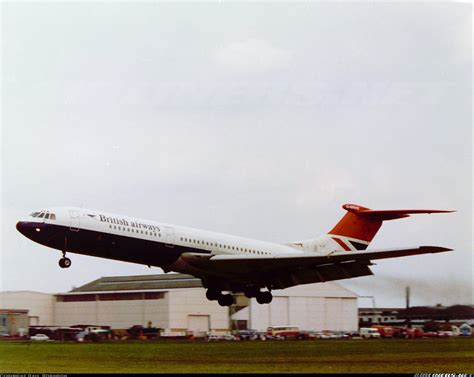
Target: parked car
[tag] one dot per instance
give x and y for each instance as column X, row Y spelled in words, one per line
column 266, row 336
column 340, row 335
column 444, row 334
column 408, row 332
column 215, row 337
column 247, row 334
column 319, row 335
column 354, row 335
column 39, row 337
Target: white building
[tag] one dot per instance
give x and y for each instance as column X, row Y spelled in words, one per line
column 177, row 303
column 320, row 306
column 40, row 306
column 173, row 302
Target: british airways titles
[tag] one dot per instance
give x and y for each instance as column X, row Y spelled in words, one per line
column 131, row 223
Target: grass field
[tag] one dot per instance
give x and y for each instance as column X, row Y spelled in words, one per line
column 453, row 355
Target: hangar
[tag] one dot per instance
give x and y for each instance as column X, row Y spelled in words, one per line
column 174, row 302
column 320, row 306
column 177, row 303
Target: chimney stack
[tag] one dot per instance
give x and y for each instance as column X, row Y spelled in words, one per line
column 407, row 294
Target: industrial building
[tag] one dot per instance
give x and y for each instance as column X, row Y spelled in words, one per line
column 13, row 321
column 39, row 306
column 177, row 304
column 320, row 306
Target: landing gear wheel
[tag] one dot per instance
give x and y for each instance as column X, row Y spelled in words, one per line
column 213, row 294
column 225, row 300
column 65, row 263
column 264, row 297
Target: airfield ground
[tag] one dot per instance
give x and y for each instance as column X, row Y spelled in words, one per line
column 452, row 355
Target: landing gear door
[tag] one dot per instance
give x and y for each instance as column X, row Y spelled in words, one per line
column 75, row 221
column 169, row 236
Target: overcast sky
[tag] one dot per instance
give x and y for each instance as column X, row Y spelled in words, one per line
column 255, row 119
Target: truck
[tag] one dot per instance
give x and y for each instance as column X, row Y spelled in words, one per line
column 369, row 332
column 384, row 331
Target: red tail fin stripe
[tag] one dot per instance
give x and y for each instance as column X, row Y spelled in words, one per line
column 341, row 243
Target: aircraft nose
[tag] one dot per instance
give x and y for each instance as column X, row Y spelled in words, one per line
column 20, row 226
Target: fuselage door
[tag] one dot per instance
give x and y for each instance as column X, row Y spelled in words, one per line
column 75, row 221
column 169, row 236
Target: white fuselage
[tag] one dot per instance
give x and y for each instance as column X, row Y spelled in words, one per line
column 84, row 229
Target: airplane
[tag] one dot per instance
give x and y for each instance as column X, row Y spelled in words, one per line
column 224, row 263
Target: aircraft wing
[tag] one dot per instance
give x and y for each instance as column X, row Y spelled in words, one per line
column 286, row 270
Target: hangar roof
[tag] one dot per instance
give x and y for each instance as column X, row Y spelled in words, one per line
column 140, row 282
column 164, row 282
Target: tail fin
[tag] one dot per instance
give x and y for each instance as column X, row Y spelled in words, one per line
column 360, row 224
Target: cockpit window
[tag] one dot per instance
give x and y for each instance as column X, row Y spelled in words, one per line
column 44, row 214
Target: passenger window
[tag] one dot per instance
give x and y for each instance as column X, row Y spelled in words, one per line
column 52, row 216
column 46, row 216
column 34, row 214
column 41, row 215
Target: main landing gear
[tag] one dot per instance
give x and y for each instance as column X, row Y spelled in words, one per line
column 64, row 262
column 223, row 300
column 213, row 294
column 262, row 297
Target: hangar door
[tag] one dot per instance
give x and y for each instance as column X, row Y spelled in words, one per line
column 198, row 324
column 279, row 311
column 332, row 314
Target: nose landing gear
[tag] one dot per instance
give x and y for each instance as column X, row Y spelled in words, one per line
column 64, row 262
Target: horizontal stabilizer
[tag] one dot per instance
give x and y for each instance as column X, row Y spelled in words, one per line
column 390, row 214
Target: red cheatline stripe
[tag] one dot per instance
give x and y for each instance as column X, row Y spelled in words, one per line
column 340, row 242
